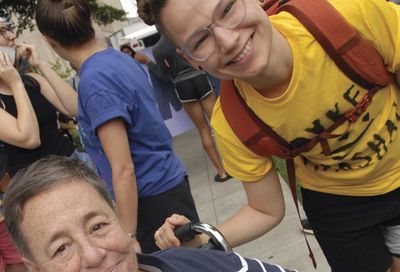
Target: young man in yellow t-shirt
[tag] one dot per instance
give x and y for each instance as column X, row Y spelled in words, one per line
column 289, row 81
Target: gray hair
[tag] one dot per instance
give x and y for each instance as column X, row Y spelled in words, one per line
column 40, row 176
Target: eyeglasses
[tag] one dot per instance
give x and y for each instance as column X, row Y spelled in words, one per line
column 6, row 31
column 201, row 44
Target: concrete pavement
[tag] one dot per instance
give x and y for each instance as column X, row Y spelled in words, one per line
column 216, row 202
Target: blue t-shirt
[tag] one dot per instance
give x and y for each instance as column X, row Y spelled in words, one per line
column 202, row 260
column 112, row 85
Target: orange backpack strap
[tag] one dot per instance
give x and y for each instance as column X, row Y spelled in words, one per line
column 354, row 55
column 251, row 131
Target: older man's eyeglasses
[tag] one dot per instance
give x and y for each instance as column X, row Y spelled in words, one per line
column 228, row 14
column 6, row 31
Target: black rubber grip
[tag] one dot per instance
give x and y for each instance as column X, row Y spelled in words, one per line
column 185, row 232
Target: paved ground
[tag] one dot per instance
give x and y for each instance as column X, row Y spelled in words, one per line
column 215, row 202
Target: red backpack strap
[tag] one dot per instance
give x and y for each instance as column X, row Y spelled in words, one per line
column 271, row 5
column 353, row 54
column 251, row 131
column 291, row 171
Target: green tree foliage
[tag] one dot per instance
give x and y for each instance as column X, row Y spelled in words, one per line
column 24, row 11
column 63, row 72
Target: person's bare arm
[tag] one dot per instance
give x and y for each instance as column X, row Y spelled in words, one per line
column 114, row 139
column 154, row 67
column 22, row 131
column 265, row 210
column 68, row 106
column 53, row 87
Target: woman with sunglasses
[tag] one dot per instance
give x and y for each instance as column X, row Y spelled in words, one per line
column 291, row 84
column 23, row 129
column 44, row 104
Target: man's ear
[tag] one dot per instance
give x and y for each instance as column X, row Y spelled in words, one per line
column 189, row 60
column 32, row 266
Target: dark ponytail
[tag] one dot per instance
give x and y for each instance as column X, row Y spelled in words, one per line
column 68, row 22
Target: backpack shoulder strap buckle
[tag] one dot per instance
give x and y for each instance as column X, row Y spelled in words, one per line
column 361, row 106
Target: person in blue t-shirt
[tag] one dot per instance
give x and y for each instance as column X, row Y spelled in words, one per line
column 121, row 128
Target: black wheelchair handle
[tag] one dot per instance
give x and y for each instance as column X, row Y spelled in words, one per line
column 188, row 231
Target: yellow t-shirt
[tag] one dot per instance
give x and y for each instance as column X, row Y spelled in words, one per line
column 366, row 155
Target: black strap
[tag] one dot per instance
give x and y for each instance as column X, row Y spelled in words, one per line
column 290, row 167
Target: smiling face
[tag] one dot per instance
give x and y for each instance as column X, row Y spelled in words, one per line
column 242, row 52
column 70, row 228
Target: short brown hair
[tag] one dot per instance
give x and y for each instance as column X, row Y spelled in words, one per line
column 40, row 176
column 149, row 10
column 68, row 22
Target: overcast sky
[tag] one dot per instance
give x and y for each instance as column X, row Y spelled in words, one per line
column 130, row 7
